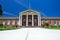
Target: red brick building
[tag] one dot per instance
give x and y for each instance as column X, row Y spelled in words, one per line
column 29, row 18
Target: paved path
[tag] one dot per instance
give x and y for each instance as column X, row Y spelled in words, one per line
column 30, row 34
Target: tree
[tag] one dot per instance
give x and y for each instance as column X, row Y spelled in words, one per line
column 0, row 10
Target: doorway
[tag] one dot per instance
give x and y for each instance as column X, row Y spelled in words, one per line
column 23, row 20
column 29, row 20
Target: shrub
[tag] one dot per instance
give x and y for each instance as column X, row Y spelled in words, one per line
column 42, row 25
column 54, row 26
column 15, row 26
column 59, row 25
column 46, row 24
column 1, row 25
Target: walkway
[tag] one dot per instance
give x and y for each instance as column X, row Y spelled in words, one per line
column 30, row 34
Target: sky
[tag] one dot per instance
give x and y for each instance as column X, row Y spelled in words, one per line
column 47, row 8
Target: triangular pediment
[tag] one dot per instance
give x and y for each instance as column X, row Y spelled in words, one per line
column 29, row 12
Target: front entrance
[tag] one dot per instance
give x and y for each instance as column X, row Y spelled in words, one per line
column 30, row 18
column 23, row 20
column 35, row 20
column 30, row 22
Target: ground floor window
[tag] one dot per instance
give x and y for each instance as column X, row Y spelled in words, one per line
column 8, row 22
column 59, row 22
column 3, row 22
column 13, row 22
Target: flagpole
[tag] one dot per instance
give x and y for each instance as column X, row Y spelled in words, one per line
column 29, row 5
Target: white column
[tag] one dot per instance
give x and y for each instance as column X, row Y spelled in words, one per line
column 39, row 20
column 32, row 20
column 21, row 20
column 26, row 20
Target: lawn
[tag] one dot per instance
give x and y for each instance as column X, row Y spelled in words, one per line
column 13, row 28
column 5, row 28
column 54, row 27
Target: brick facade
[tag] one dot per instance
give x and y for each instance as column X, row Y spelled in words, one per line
column 16, row 22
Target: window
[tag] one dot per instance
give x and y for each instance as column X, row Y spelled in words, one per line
column 17, row 22
column 54, row 21
column 50, row 22
column 8, row 23
column 42, row 22
column 59, row 22
column 13, row 22
column 3, row 22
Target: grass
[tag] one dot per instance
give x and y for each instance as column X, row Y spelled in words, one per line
column 10, row 28
column 54, row 27
column 13, row 28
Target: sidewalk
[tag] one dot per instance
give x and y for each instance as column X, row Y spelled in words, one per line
column 30, row 34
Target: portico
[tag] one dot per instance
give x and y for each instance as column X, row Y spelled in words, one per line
column 29, row 18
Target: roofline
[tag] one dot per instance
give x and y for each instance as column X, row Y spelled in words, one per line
column 50, row 17
column 18, row 17
column 9, row 17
